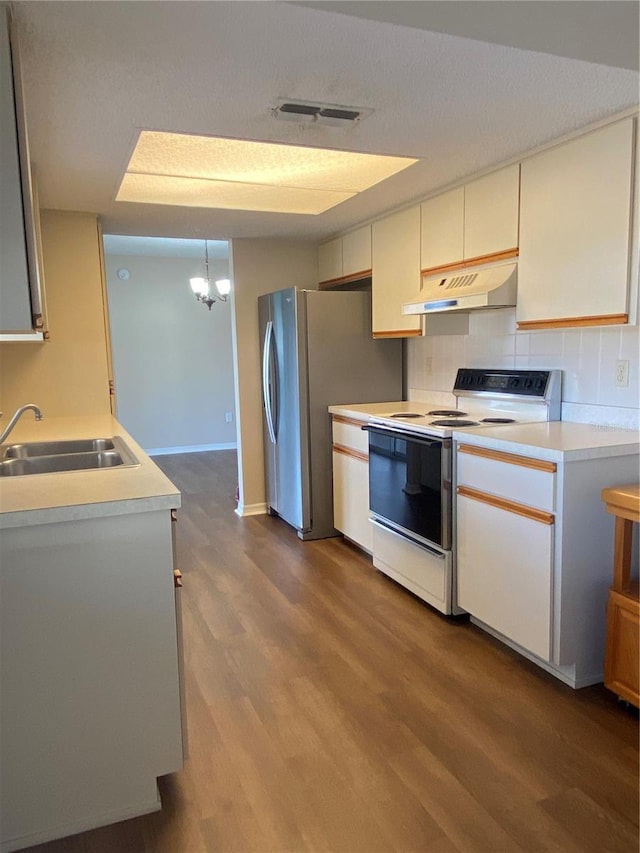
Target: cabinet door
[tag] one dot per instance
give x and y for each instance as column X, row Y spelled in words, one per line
column 574, row 231
column 395, row 250
column 330, row 260
column 356, row 251
column 351, row 497
column 15, row 301
column 491, row 213
column 442, row 230
column 505, row 571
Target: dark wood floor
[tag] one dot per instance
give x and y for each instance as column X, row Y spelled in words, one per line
column 329, row 710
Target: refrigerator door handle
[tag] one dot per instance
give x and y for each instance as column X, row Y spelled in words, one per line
column 266, row 386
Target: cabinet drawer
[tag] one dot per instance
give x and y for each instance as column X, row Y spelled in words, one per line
column 520, row 479
column 349, row 433
column 426, row 573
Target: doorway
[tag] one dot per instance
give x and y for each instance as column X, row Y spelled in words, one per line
column 172, row 356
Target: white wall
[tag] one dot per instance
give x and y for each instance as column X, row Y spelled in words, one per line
column 586, row 356
column 172, row 358
column 259, row 266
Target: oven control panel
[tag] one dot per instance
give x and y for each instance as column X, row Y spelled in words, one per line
column 520, row 383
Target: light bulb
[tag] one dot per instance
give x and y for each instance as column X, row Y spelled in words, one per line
column 200, row 286
column 224, row 286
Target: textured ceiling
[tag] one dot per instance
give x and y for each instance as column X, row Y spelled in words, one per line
column 96, row 73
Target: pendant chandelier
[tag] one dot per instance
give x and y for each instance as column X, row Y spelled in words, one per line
column 202, row 289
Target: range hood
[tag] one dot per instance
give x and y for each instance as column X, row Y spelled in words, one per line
column 464, row 290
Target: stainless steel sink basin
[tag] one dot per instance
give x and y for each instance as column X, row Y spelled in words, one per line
column 48, row 457
column 54, row 448
column 61, row 462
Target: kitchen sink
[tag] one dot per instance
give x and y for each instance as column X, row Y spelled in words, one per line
column 53, row 448
column 48, row 457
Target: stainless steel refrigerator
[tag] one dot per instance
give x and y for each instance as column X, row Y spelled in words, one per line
column 317, row 351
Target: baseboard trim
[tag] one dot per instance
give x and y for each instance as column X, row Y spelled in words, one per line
column 191, row 448
column 244, row 510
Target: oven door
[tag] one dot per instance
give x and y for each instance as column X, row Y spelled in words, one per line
column 410, row 484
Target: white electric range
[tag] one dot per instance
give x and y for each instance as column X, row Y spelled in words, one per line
column 411, row 472
column 486, row 398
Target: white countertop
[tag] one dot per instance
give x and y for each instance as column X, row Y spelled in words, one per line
column 72, row 495
column 557, row 441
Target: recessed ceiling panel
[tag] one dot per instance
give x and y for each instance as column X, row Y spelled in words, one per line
column 240, row 174
column 199, row 192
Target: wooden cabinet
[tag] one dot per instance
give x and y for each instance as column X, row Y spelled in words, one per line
column 505, row 545
column 345, row 259
column 395, row 253
column 471, row 224
column 89, row 693
column 351, row 482
column 575, row 226
column 622, row 661
column 21, row 307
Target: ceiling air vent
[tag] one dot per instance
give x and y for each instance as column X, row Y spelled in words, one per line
column 310, row 111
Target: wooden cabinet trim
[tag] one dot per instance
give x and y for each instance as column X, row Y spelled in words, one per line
column 399, row 333
column 348, row 451
column 340, row 419
column 493, row 257
column 345, row 279
column 507, row 505
column 569, row 322
column 510, row 458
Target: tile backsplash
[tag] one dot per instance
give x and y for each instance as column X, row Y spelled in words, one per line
column 587, row 358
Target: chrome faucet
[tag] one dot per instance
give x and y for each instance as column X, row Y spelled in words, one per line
column 16, row 417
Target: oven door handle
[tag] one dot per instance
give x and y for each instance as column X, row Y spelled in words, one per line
column 394, row 432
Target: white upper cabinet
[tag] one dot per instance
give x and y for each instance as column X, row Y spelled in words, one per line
column 20, row 298
column 470, row 222
column 575, row 226
column 395, row 254
column 356, row 252
column 330, row 260
column 442, row 230
column 345, row 258
column 491, row 213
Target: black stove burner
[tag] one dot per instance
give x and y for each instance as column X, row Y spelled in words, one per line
column 454, row 422
column 498, row 420
column 448, row 413
column 406, row 415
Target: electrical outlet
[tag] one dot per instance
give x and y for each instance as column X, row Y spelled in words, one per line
column 228, row 416
column 622, row 373
column 428, row 364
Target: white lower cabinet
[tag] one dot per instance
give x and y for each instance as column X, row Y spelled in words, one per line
column 90, row 684
column 534, row 548
column 505, row 567
column 351, row 482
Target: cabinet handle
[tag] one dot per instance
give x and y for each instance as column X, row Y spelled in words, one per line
column 177, row 578
column 348, row 451
column 510, row 458
column 174, row 515
column 506, row 505
column 340, row 419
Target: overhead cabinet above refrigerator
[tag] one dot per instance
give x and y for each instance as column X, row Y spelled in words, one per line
column 317, row 351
